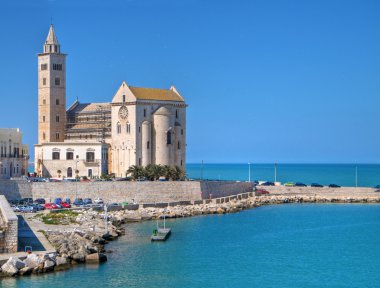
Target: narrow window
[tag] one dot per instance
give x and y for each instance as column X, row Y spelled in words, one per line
column 56, row 156
column 44, row 81
column 128, row 128
column 147, row 145
column 57, row 81
column 43, row 136
column 181, row 131
column 57, row 136
column 139, row 129
column 56, row 101
column 144, row 112
column 57, row 118
column 139, row 161
column 43, row 118
column 118, row 128
column 44, row 66
column 176, row 113
column 181, row 162
column 123, row 98
column 168, row 138
column 44, row 101
column 179, row 145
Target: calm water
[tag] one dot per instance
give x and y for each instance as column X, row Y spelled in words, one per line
column 341, row 174
column 303, row 245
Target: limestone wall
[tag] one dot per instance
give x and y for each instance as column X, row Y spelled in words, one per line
column 217, row 189
column 113, row 191
column 9, row 227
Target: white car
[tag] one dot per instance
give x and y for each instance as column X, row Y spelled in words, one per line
column 98, row 201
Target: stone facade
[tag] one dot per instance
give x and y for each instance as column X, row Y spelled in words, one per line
column 9, row 227
column 141, row 126
column 13, row 154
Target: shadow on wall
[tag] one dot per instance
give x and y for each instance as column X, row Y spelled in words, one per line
column 15, row 189
column 26, row 237
column 217, row 189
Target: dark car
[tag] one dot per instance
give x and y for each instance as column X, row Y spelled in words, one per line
column 67, row 200
column 299, row 184
column 316, row 185
column 268, row 184
column 78, row 202
column 39, row 201
column 87, row 201
column 26, row 201
column 377, row 187
column 334, row 186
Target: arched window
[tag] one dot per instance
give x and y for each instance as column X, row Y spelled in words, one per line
column 69, row 172
column 128, row 128
column 118, row 128
column 169, row 137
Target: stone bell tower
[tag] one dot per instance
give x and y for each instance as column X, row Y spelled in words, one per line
column 51, row 91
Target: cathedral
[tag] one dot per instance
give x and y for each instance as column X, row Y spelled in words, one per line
column 140, row 126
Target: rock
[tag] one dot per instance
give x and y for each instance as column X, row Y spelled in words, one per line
column 96, row 258
column 39, row 268
column 26, row 271
column 220, row 210
column 16, row 263
column 79, row 257
column 61, row 263
column 49, row 265
column 9, row 270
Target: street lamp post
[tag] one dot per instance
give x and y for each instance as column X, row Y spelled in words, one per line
column 356, row 176
column 249, row 171
column 275, row 172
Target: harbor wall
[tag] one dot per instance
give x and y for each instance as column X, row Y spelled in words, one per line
column 124, row 191
column 8, row 227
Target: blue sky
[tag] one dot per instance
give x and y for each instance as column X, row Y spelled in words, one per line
column 266, row 81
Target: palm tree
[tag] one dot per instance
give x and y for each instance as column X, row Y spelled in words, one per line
column 136, row 172
column 168, row 172
column 178, row 173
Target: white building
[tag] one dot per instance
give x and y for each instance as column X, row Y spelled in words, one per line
column 140, row 126
column 14, row 155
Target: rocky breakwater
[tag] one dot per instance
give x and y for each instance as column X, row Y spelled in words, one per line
column 81, row 241
column 226, row 205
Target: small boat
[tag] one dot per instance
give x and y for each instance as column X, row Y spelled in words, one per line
column 161, row 234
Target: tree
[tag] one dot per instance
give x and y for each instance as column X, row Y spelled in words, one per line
column 136, row 172
column 59, row 173
column 168, row 172
column 178, row 173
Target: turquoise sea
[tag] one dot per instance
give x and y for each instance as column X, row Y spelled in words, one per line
column 368, row 175
column 290, row 245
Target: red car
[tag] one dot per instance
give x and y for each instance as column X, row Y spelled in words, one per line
column 262, row 191
column 50, row 206
column 65, row 205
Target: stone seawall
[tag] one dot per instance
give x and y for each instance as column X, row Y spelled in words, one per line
column 123, row 191
column 9, row 227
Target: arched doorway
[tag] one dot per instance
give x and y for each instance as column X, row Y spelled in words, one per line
column 69, row 172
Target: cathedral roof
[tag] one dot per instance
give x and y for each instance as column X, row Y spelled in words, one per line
column 51, row 38
column 156, row 94
column 88, row 107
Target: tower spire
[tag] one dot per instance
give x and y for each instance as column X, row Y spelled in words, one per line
column 51, row 43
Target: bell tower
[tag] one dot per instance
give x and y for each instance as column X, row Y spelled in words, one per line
column 51, row 91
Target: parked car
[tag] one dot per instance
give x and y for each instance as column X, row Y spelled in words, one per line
column 334, row 186
column 65, row 205
column 289, row 184
column 78, row 202
column 39, row 201
column 51, row 206
column 267, row 184
column 316, row 185
column 299, row 184
column 87, row 201
column 98, row 201
column 26, row 201
column 261, row 192
column 67, row 200
column 57, row 201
